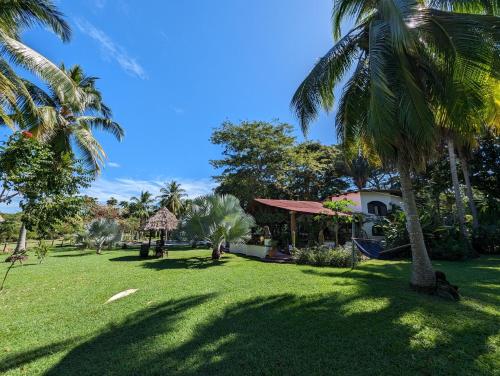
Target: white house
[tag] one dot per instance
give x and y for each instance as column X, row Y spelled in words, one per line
column 373, row 204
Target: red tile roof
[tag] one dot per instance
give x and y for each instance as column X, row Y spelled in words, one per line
column 309, row 207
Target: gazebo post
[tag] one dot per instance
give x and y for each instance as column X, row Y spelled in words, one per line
column 293, row 227
column 150, row 235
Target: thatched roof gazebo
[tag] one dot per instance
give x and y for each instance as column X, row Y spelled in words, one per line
column 162, row 221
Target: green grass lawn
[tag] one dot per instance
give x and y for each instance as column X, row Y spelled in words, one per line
column 241, row 316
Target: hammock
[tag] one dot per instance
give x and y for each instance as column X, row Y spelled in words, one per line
column 374, row 249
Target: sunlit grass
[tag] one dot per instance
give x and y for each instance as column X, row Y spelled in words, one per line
column 241, row 316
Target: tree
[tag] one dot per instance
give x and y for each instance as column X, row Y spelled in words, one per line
column 403, row 51
column 46, row 186
column 142, row 206
column 255, row 159
column 218, row 219
column 171, row 197
column 15, row 17
column 69, row 126
column 312, row 172
column 263, row 160
column 342, row 210
column 112, row 202
column 101, row 231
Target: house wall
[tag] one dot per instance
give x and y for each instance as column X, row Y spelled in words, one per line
column 250, row 250
column 387, row 198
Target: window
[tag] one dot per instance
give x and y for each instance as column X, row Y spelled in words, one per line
column 377, row 208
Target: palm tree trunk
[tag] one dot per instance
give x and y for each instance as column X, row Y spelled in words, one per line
column 422, row 274
column 21, row 240
column 456, row 190
column 470, row 195
column 216, row 252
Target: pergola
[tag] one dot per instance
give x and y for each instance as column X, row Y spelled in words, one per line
column 162, row 221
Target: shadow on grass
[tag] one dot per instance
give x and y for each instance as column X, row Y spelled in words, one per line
column 79, row 254
column 19, row 359
column 379, row 328
column 184, row 263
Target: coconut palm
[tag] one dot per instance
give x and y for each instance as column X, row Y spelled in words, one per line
column 218, row 219
column 67, row 125
column 171, row 197
column 142, row 206
column 403, row 52
column 16, row 16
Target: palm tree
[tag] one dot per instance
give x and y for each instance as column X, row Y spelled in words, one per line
column 15, row 16
column 142, row 206
column 171, row 197
column 218, row 219
column 67, row 124
column 403, row 52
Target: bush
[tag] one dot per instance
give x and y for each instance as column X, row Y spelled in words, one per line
column 41, row 251
column 449, row 248
column 324, row 256
column 486, row 239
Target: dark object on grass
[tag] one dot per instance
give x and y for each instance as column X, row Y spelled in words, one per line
column 144, row 250
column 15, row 257
column 442, row 288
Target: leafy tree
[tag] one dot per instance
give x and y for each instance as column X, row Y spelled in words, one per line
column 342, row 213
column 255, row 159
column 218, row 219
column 112, row 202
column 313, row 173
column 404, row 52
column 171, row 197
column 262, row 160
column 47, row 187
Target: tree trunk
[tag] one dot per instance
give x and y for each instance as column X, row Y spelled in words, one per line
column 422, row 274
column 456, row 190
column 470, row 195
column 21, row 240
column 216, row 252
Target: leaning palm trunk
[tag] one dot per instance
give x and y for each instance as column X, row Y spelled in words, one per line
column 422, row 274
column 216, row 251
column 456, row 189
column 468, row 190
column 21, row 240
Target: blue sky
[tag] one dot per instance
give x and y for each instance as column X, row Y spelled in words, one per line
column 173, row 70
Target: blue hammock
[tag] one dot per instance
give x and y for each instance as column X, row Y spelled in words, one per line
column 374, row 249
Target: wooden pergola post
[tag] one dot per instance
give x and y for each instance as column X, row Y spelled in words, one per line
column 293, row 227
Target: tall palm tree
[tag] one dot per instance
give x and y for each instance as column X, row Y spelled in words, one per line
column 142, row 206
column 403, row 51
column 68, row 124
column 15, row 16
column 218, row 219
column 171, row 197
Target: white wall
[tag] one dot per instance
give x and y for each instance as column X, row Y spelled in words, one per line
column 250, row 250
column 387, row 198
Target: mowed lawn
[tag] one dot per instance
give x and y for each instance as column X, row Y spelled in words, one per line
column 240, row 316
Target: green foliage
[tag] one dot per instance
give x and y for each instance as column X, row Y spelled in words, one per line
column 41, row 251
column 171, row 197
column 46, row 186
column 218, row 219
column 263, row 160
column 103, row 231
column 324, row 256
column 486, row 239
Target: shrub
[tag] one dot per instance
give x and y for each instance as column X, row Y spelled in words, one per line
column 324, row 256
column 41, row 251
column 486, row 239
